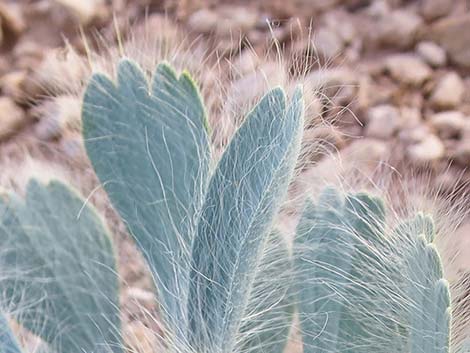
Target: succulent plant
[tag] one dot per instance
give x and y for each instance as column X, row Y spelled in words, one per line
column 201, row 231
column 225, row 279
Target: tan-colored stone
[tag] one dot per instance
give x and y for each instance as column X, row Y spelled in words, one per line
column 429, row 150
column 408, row 69
column 448, row 92
column 12, row 117
column 12, row 85
column 12, row 20
column 453, row 34
column 448, row 124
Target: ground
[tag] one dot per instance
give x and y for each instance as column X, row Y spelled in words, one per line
column 387, row 80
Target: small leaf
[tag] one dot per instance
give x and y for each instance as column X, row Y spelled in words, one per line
column 150, row 150
column 243, row 196
column 59, row 271
column 333, row 254
column 429, row 294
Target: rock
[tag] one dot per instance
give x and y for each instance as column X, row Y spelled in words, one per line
column 318, row 141
column 340, row 21
column 398, row 29
column 228, row 21
column 203, row 21
column 11, row 19
column 56, row 115
column 429, row 150
column 331, row 79
column 432, row 9
column 85, row 11
column 246, row 89
column 310, row 7
column 382, row 121
column 12, row 117
column 462, row 153
column 408, row 69
column 414, row 135
column 4, row 66
column 12, row 85
column 327, row 43
column 448, row 124
column 453, row 34
column 247, row 62
column 410, row 117
column 139, row 338
column 234, row 20
column 143, row 297
column 1, row 33
column 363, row 155
column 431, row 53
column 27, row 55
column 61, row 71
column 72, row 146
column 448, row 92
column 379, row 9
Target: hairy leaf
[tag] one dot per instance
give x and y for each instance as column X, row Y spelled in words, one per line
column 58, row 270
column 361, row 291
column 429, row 293
column 243, row 196
column 150, row 150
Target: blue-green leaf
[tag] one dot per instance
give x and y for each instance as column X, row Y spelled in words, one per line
column 332, row 255
column 243, row 196
column 59, row 271
column 149, row 148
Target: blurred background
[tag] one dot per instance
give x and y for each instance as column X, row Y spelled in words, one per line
column 388, row 80
column 392, row 72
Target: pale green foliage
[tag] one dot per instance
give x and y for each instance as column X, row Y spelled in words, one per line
column 149, row 147
column 58, row 269
column 202, row 235
column 361, row 290
column 243, row 196
column 225, row 279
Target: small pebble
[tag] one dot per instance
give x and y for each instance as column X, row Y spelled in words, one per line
column 382, row 121
column 448, row 92
column 327, row 43
column 449, row 124
column 408, row 69
column 203, row 21
column 398, row 29
column 430, row 149
column 432, row 9
column 12, row 117
column 432, row 53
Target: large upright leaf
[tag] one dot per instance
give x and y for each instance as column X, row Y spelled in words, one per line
column 150, row 150
column 58, row 270
column 243, row 196
column 8, row 342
